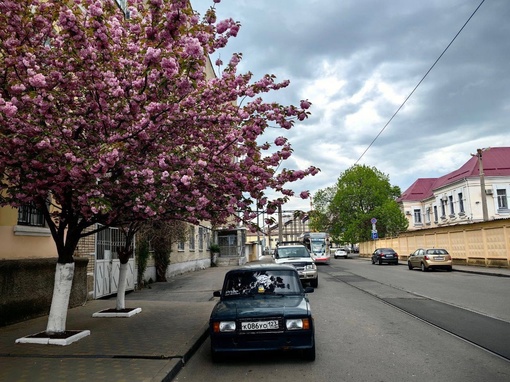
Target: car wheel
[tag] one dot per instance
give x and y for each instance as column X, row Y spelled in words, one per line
column 410, row 266
column 309, row 354
column 345, row 257
column 373, row 261
column 315, row 283
column 449, row 269
column 423, row 267
column 380, row 262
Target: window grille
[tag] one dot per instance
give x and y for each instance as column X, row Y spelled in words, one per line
column 30, row 215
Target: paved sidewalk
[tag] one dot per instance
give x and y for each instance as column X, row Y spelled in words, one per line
column 150, row 346
column 501, row 272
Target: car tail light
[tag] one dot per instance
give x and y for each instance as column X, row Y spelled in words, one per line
column 426, row 257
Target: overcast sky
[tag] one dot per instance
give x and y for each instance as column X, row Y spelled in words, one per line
column 358, row 60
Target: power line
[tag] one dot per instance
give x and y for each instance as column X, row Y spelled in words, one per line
column 419, row 83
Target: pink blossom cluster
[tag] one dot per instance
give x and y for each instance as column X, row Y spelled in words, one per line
column 115, row 118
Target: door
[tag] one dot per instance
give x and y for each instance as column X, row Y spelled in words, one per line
column 107, row 264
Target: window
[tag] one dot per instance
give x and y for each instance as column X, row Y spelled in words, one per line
column 435, row 214
column 452, row 207
column 29, row 215
column 201, row 238
column 427, row 215
column 502, row 199
column 180, row 245
column 417, row 217
column 192, row 238
column 443, row 207
column 461, row 203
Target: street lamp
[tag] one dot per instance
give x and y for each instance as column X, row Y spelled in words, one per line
column 482, row 182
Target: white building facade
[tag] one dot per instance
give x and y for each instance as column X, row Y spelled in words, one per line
column 462, row 195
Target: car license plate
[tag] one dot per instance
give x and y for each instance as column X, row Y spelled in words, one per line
column 260, row 325
column 439, row 258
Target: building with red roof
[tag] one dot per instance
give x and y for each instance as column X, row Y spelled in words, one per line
column 463, row 195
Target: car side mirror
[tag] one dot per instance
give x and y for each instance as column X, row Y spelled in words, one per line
column 217, row 293
column 309, row 289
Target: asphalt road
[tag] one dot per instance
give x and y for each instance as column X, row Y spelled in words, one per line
column 481, row 329
column 378, row 329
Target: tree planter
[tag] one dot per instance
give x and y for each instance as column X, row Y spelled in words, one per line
column 114, row 313
column 55, row 333
column 64, row 338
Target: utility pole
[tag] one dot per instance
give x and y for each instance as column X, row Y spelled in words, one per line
column 259, row 252
column 280, row 224
column 482, row 183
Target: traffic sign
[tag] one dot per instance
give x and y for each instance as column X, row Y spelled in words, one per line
column 373, row 220
column 374, row 235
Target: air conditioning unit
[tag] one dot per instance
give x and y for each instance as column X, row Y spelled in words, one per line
column 488, row 191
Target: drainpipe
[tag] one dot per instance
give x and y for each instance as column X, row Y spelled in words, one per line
column 482, row 185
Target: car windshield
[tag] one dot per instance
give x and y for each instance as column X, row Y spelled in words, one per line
column 387, row 250
column 292, row 252
column 264, row 282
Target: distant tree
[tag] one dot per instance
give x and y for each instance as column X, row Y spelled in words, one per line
column 363, row 193
column 111, row 120
column 320, row 216
column 162, row 235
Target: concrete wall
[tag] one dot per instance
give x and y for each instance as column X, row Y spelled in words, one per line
column 26, row 288
column 483, row 243
column 187, row 266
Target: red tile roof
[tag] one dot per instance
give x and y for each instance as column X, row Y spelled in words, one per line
column 496, row 162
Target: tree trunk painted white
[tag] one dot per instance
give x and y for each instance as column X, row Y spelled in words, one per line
column 121, row 290
column 64, row 274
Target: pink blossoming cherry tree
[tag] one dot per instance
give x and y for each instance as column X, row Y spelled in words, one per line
column 111, row 118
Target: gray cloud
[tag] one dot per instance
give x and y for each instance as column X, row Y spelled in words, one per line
column 357, row 60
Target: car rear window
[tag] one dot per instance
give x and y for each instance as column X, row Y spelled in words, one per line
column 292, row 252
column 436, row 251
column 261, row 283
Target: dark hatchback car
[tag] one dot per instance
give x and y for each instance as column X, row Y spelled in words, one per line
column 262, row 308
column 384, row 255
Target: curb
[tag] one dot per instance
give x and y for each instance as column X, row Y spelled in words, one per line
column 178, row 363
column 481, row 272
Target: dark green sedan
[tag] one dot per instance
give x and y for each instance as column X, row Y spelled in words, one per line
column 262, row 307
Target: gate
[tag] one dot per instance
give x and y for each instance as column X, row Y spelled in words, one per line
column 107, row 264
